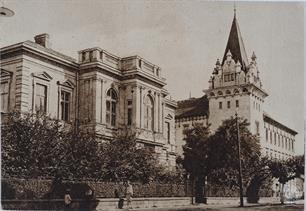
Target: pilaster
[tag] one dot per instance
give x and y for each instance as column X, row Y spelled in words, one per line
column 22, row 87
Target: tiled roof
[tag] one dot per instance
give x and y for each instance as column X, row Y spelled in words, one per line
column 192, row 107
column 50, row 51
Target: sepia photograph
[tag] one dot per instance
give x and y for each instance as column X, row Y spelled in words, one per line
column 156, row 105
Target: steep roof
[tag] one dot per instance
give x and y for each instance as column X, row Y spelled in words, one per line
column 192, row 107
column 236, row 46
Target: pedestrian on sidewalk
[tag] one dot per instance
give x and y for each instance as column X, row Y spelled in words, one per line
column 129, row 194
column 119, row 193
column 67, row 200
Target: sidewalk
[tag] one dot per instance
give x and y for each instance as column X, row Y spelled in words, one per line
column 295, row 205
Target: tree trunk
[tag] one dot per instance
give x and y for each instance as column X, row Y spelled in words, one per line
column 199, row 190
column 252, row 191
column 282, row 198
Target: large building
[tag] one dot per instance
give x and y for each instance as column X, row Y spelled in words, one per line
column 100, row 91
column 235, row 87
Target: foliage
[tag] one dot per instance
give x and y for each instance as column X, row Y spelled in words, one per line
column 31, row 145
column 224, row 153
column 123, row 158
column 38, row 146
column 285, row 170
column 195, row 151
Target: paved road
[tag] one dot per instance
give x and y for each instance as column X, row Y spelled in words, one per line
column 291, row 207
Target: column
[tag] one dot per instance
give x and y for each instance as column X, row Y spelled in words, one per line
column 160, row 119
column 102, row 100
column 156, row 122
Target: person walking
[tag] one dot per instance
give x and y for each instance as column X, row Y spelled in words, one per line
column 129, row 194
column 67, row 200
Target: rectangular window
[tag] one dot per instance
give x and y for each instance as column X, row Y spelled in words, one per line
column 267, row 135
column 282, row 141
column 274, row 138
column 113, row 122
column 65, row 105
column 108, row 112
column 41, row 98
column 237, row 103
column 257, row 127
column 278, row 140
column 220, row 105
column 168, row 131
column 4, row 96
column 129, row 112
column 228, row 104
column 292, row 147
column 270, row 137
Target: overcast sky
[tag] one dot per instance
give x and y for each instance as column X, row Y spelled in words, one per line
column 184, row 38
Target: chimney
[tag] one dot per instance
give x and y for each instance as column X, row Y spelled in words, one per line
column 43, row 40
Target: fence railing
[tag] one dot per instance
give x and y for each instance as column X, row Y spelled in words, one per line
column 14, row 188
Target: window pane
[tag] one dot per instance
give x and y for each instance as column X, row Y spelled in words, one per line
column 129, row 116
column 107, row 118
column 114, row 107
column 4, row 96
column 107, row 106
column 113, row 120
column 40, row 98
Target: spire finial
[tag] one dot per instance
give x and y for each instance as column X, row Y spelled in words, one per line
column 234, row 9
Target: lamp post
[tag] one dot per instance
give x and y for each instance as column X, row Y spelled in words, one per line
column 239, row 158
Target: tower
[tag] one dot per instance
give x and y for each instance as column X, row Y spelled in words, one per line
column 235, row 86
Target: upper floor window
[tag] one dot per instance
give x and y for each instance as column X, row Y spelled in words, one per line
column 257, row 127
column 148, row 113
column 65, row 105
column 111, row 107
column 274, row 138
column 270, row 137
column 41, row 98
column 267, row 135
column 220, row 105
column 237, row 103
column 168, row 131
column 4, row 96
column 228, row 104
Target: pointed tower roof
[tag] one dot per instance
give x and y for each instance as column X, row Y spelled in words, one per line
column 235, row 45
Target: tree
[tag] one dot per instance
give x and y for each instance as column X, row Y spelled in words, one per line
column 195, row 157
column 30, row 145
column 124, row 158
column 37, row 146
column 286, row 170
column 224, row 157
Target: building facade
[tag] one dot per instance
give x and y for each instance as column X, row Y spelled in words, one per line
column 99, row 91
column 235, row 87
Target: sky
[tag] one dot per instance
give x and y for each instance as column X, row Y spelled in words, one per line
column 184, row 38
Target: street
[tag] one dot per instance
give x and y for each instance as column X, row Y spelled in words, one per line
column 274, row 207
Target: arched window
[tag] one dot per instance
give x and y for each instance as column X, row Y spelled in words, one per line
column 228, row 92
column 111, row 107
column 220, row 93
column 236, row 91
column 148, row 113
column 212, row 94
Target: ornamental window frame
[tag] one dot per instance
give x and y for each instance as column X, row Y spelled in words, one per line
column 6, row 77
column 42, row 79
column 111, row 103
column 67, row 87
